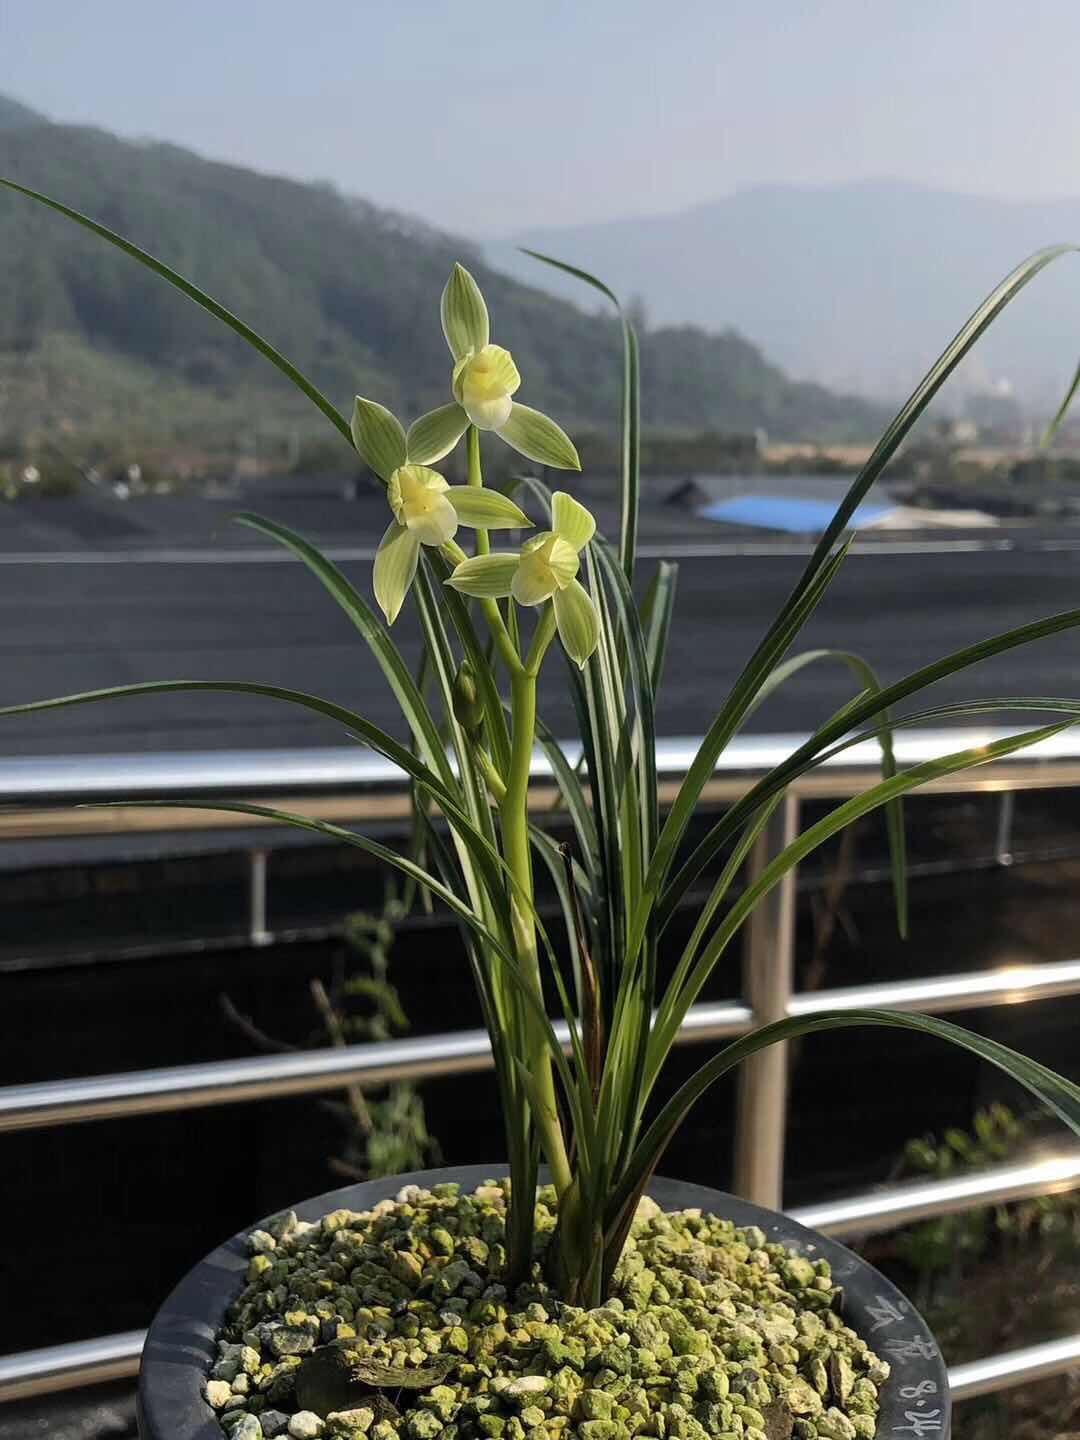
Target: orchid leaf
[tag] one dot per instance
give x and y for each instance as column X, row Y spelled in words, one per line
column 200, row 297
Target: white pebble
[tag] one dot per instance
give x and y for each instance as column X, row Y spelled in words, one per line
column 305, row 1425
column 528, row 1385
column 247, row 1429
column 218, row 1392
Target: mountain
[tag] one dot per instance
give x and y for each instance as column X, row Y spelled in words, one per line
column 91, row 343
column 857, row 285
column 14, row 115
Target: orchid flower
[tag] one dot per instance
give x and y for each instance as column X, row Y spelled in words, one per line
column 427, row 510
column 484, row 382
column 544, row 569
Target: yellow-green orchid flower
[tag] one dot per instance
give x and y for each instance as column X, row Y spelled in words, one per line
column 544, row 569
column 427, row 510
column 484, row 382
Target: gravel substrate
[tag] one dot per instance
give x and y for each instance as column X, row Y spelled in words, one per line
column 391, row 1323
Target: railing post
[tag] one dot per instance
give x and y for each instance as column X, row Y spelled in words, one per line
column 1003, row 839
column 768, row 966
column 257, row 929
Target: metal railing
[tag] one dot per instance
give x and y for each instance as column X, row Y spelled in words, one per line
column 264, row 1077
column 47, row 798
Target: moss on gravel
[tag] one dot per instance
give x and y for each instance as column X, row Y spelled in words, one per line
column 391, row 1324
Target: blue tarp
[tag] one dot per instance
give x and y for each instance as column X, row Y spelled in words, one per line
column 785, row 512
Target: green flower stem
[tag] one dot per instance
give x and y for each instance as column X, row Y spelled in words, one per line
column 495, row 782
column 474, row 477
column 490, row 608
column 514, row 823
column 542, row 638
column 491, row 613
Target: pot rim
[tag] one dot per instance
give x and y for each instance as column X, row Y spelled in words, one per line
column 180, row 1343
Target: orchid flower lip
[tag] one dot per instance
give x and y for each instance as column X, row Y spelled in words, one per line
column 483, row 383
column 546, row 564
column 418, row 499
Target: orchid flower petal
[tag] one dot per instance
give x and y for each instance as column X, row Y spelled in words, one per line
column 486, row 509
column 464, row 314
column 435, row 434
column 547, row 564
column 483, row 383
column 417, row 497
column 576, row 620
column 571, row 520
column 488, row 577
column 395, row 566
column 536, row 435
column 378, row 437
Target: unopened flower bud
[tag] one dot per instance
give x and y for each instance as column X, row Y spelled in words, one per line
column 468, row 707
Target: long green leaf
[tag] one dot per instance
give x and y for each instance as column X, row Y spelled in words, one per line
column 965, row 709
column 344, row 836
column 975, row 326
column 808, row 755
column 400, row 862
column 726, row 724
column 810, row 839
column 637, row 982
column 657, row 610
column 442, row 660
column 572, row 791
column 1062, row 410
column 200, row 297
column 413, row 706
column 483, row 673
column 732, row 866
column 1061, row 1095
column 866, row 678
column 354, row 723
column 631, row 414
column 480, row 846
column 521, row 1149
column 821, row 566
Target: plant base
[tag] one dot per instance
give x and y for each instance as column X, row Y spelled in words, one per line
column 382, row 1318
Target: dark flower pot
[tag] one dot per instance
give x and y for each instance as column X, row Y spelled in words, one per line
column 180, row 1345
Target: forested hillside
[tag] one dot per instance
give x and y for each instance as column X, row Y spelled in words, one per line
column 88, row 342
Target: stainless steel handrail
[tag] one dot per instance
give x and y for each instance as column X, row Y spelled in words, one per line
column 1015, row 1367
column 68, row 1367
column 894, row 1206
column 225, row 1082
column 202, row 774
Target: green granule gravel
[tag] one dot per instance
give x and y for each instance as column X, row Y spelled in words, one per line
column 392, row 1323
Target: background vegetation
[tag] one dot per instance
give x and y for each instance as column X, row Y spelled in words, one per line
column 87, row 347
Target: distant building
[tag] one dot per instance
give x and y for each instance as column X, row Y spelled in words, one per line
column 805, row 504
column 794, row 514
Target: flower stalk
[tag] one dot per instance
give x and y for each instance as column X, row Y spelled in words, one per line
column 602, row 1146
column 514, row 829
column 512, row 795
column 473, row 476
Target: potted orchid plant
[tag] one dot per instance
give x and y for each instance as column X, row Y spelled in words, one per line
column 570, row 1301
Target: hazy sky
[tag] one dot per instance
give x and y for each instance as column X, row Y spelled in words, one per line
column 488, row 117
